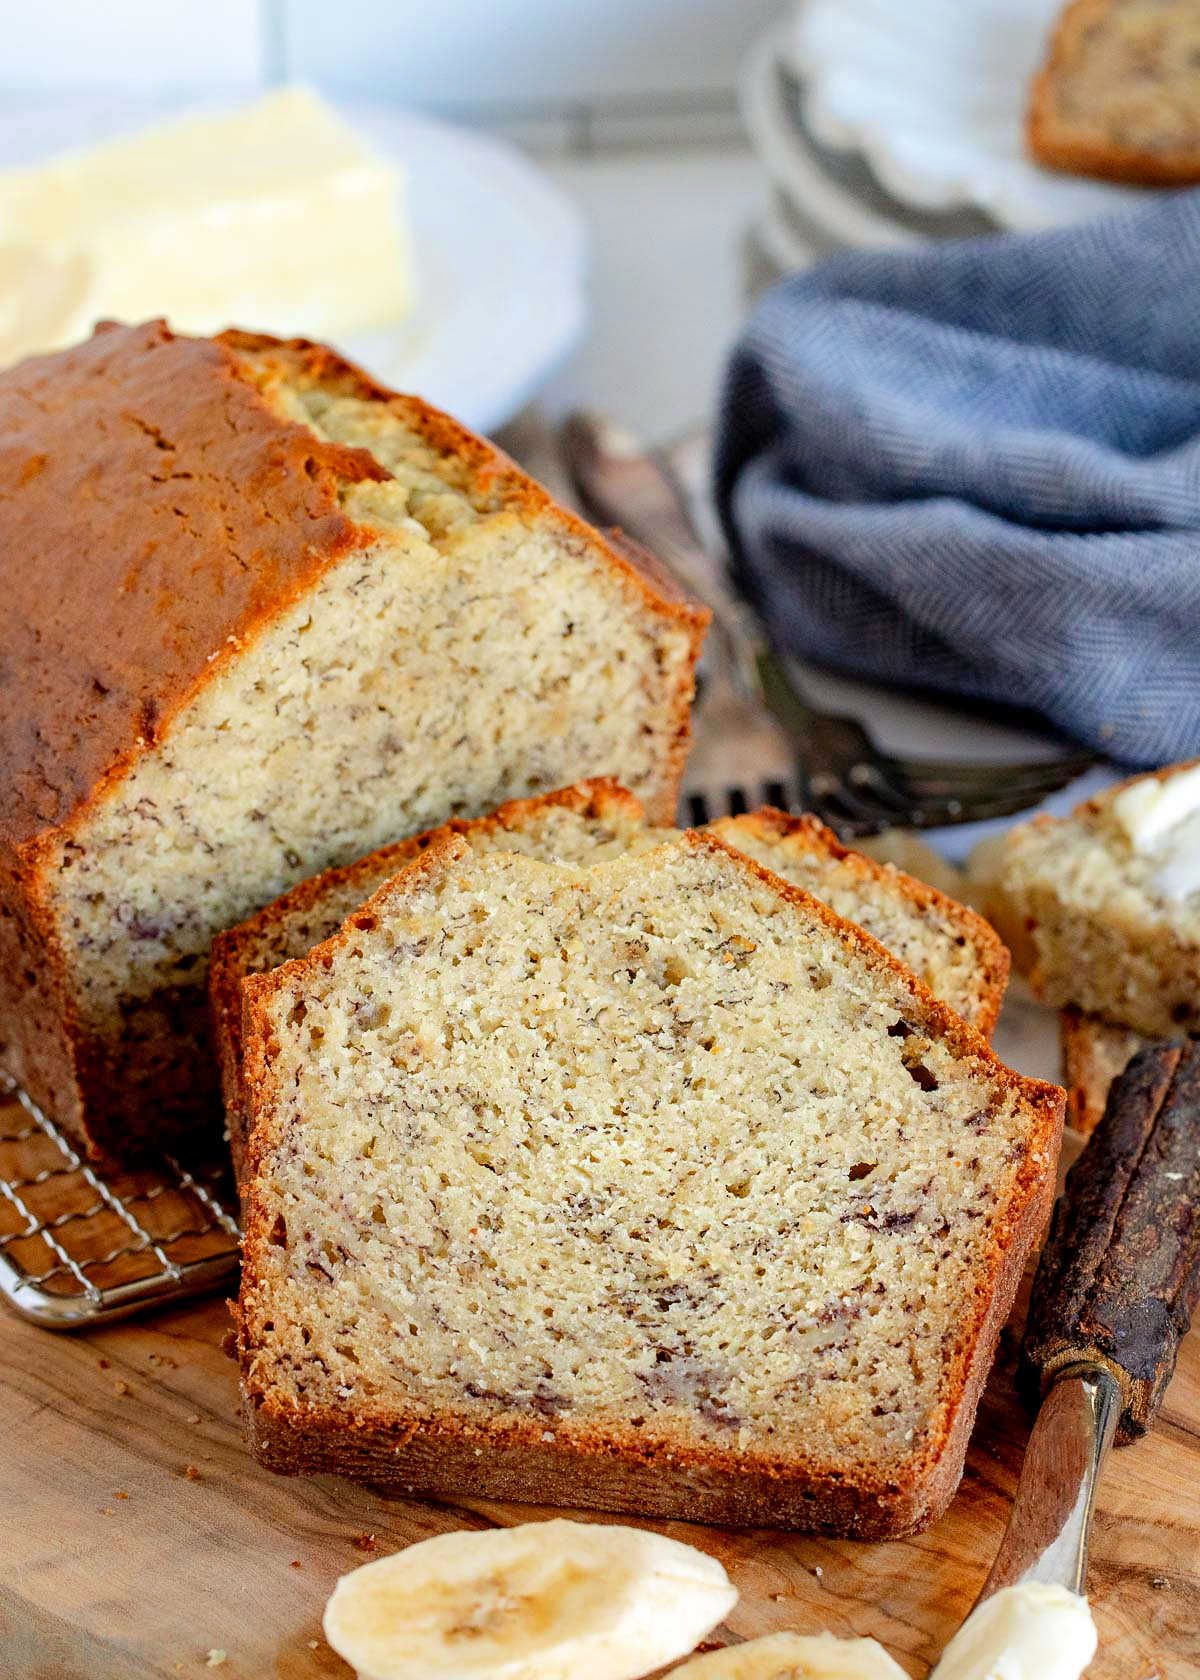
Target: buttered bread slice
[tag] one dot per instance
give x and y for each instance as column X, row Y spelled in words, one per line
column 954, row 951
column 1103, row 907
column 649, row 1186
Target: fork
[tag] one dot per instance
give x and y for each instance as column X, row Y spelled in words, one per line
column 753, row 711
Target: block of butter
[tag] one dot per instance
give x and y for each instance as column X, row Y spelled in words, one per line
column 273, row 216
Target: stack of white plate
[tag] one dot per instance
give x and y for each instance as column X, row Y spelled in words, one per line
column 882, row 125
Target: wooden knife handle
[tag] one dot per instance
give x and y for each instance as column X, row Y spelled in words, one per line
column 1119, row 1276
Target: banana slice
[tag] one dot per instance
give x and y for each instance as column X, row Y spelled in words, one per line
column 543, row 1601
column 795, row 1656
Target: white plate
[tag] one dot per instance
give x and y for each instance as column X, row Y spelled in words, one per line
column 498, row 251
column 933, row 93
column 830, row 192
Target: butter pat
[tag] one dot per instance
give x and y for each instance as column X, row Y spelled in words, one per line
column 273, row 216
column 1149, row 808
column 1161, row 819
column 1027, row 1632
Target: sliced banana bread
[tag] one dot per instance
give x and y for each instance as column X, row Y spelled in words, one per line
column 1119, row 93
column 959, row 956
column 582, row 823
column 260, row 615
column 955, row 952
column 1104, row 905
column 649, row 1186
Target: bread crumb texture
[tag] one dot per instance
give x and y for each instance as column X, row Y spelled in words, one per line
column 657, row 1150
column 953, row 950
column 950, row 948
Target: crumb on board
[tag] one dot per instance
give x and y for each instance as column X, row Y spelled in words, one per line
column 366, row 1542
column 193, row 1417
column 191, row 1471
column 215, row 1658
column 120, row 1494
column 295, row 1564
column 122, row 1387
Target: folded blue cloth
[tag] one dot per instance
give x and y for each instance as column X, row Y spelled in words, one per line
column 975, row 467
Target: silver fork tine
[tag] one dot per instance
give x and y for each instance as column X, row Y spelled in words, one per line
column 938, row 799
column 1043, row 777
column 1032, row 770
column 858, row 805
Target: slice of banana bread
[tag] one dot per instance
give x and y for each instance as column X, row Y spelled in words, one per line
column 649, row 1186
column 1119, row 93
column 959, row 956
column 1101, row 904
column 260, row 615
column 583, row 823
column 953, row 950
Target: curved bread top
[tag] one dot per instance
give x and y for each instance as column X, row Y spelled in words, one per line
column 151, row 507
column 156, row 512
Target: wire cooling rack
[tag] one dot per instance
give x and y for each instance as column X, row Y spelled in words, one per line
column 79, row 1245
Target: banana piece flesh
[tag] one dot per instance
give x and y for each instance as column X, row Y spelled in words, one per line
column 795, row 1656
column 542, row 1601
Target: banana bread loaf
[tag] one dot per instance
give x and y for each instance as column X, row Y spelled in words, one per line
column 649, row 1186
column 955, row 952
column 261, row 614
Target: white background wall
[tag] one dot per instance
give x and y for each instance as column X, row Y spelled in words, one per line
column 511, row 61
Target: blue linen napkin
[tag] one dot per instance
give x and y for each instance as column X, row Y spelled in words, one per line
column 975, row 467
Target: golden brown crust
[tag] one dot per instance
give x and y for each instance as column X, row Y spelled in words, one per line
column 192, row 515
column 226, row 514
column 490, row 475
column 808, row 834
column 236, row 953
column 621, row 1468
column 507, row 1460
column 186, row 546
column 1055, row 142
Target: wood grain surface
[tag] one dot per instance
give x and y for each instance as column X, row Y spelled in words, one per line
column 140, row 1540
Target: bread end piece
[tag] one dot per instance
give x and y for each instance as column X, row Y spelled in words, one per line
column 1097, row 49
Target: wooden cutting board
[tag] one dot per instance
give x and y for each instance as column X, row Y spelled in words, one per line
column 139, row 1537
